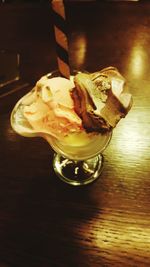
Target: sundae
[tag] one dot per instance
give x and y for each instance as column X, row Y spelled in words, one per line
column 75, row 116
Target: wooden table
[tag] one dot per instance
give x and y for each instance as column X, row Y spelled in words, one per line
column 46, row 223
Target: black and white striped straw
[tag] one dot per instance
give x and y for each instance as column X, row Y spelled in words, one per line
column 60, row 30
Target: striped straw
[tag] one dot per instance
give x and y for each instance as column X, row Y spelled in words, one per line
column 61, row 37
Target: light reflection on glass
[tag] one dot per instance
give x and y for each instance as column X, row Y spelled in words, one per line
column 79, row 48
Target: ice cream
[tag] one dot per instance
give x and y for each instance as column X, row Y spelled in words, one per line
column 75, row 116
column 101, row 99
column 52, row 110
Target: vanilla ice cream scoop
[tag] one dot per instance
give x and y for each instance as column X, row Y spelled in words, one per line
column 52, row 110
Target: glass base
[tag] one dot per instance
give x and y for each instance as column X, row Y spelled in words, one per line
column 76, row 172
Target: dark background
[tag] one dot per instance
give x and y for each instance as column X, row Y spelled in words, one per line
column 26, row 28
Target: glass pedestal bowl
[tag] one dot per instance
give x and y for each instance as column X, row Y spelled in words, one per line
column 78, row 159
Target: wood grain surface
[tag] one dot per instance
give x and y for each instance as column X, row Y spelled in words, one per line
column 44, row 222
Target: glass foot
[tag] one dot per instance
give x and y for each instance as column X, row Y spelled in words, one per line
column 76, row 172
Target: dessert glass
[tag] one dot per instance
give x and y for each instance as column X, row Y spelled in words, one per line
column 76, row 162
